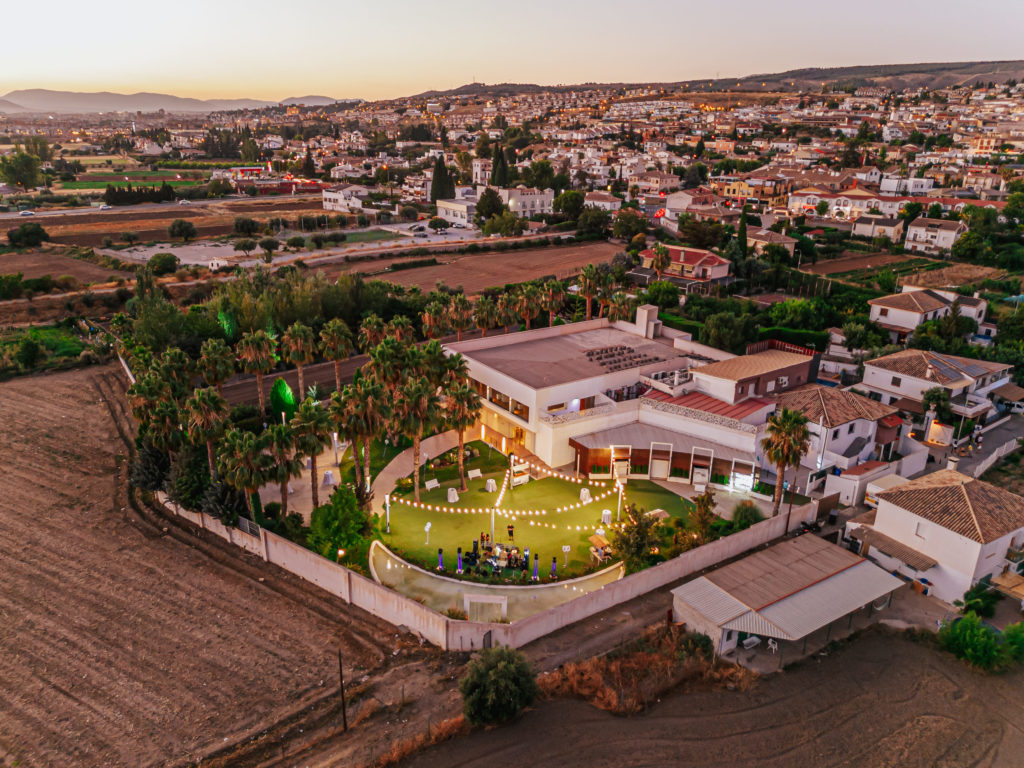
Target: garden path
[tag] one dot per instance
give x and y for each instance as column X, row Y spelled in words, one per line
column 401, row 466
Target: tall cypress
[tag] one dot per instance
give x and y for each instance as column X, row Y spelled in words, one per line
column 741, row 232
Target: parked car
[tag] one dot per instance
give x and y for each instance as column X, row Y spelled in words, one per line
column 27, row 213
column 183, row 202
column 105, row 207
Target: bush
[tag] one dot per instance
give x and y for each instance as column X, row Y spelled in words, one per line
column 497, row 686
column 163, row 263
column 28, row 235
column 186, row 230
column 969, row 639
column 980, row 599
column 296, row 242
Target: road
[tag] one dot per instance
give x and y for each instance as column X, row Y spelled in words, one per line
column 56, row 215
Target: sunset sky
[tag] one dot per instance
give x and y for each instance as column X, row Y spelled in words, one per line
column 390, row 48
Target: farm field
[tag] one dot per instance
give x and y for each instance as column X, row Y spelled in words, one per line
column 880, row 700
column 123, row 644
column 956, row 274
column 40, row 263
column 846, row 264
column 477, row 271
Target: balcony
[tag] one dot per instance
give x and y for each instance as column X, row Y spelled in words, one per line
column 672, row 383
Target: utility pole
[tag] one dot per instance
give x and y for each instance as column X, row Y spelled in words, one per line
column 341, row 690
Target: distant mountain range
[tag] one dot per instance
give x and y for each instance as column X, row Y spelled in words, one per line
column 893, row 76
column 42, row 100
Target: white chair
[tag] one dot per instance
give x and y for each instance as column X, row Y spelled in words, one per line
column 773, row 646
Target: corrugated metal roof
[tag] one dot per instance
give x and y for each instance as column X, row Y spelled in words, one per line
column 831, row 599
column 710, row 601
column 754, row 623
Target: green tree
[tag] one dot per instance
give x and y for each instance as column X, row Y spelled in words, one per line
column 628, row 224
column 725, row 330
column 489, row 205
column 245, row 245
column 242, row 462
column 163, row 263
column 661, row 259
column 635, row 539
column 256, row 352
column 29, row 235
column 20, row 169
column 312, row 431
column 442, row 186
column 588, row 285
column 182, row 228
column 298, row 347
column 207, row 414
column 246, row 226
column 663, row 293
column 269, row 245
column 216, row 363
column 821, row 208
column 437, row 224
column 497, row 686
column 569, row 203
column 336, row 345
column 593, row 221
column 460, row 314
column 937, row 399
column 284, row 462
column 552, row 298
column 786, row 441
column 741, row 233
column 462, row 408
column 485, row 314
column 338, row 525
column 29, row 353
column 702, row 516
column 416, row 410
column 506, row 224
column 968, row 638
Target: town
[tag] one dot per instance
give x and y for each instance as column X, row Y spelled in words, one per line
column 416, row 413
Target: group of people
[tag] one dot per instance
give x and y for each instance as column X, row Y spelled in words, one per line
column 486, row 554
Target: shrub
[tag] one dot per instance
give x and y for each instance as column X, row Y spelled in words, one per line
column 969, row 639
column 163, row 263
column 296, row 242
column 980, row 599
column 497, row 686
column 28, row 235
column 745, row 514
column 186, row 230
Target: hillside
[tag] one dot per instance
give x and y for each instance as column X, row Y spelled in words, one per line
column 894, row 76
column 43, row 100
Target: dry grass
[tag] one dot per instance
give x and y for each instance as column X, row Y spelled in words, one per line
column 626, row 681
column 443, row 731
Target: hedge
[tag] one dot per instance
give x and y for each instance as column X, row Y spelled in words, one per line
column 817, row 340
column 681, row 324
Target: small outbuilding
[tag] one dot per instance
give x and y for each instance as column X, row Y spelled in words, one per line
column 782, row 595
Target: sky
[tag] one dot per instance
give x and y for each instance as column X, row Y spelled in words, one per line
column 376, row 49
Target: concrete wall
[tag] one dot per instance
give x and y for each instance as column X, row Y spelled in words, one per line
column 451, row 634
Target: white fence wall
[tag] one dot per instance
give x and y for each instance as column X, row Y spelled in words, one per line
column 452, row 634
column 1006, row 448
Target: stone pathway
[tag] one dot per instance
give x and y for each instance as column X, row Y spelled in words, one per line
column 401, row 466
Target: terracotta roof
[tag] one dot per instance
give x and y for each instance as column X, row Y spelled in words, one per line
column 973, row 508
column 831, row 407
column 912, row 301
column 1009, row 391
column 698, row 401
column 768, row 236
column 691, row 256
column 865, row 468
column 942, row 369
column 746, row 366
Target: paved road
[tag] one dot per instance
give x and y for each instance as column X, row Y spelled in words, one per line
column 54, row 216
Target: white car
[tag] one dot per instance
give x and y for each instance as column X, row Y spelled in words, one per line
column 27, row 213
column 183, row 202
column 105, row 207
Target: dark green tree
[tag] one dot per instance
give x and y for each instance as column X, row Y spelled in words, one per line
column 497, row 686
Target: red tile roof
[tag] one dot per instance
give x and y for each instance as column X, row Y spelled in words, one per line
column 863, row 469
column 698, row 401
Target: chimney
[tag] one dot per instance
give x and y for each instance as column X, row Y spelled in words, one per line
column 952, row 463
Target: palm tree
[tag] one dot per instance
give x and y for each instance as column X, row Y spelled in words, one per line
column 336, row 345
column 347, row 421
column 661, row 259
column 460, row 314
column 606, row 284
column 144, row 395
column 312, row 426
column 371, row 332
column 298, row 348
column 165, row 426
column 435, row 320
column 621, row 307
column 455, row 370
column 786, row 440
column 506, row 309
column 256, row 353
column 462, row 408
column 527, row 303
column 485, row 314
column 242, row 462
column 207, row 412
column 285, row 465
column 400, row 328
column 216, row 363
column 388, row 361
column 416, row 410
column 589, row 283
column 552, row 298
column 376, row 410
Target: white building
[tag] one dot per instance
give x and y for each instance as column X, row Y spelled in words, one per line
column 344, row 197
column 945, row 530
column 526, row 201
column 457, row 211
column 603, row 200
column 933, row 235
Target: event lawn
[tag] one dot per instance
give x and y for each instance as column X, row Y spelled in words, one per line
column 544, row 534
column 371, row 235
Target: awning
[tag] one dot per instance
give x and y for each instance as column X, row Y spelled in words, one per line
column 1009, row 391
column 892, row 420
column 907, row 404
column 889, row 546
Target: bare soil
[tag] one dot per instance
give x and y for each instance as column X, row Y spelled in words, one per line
column 862, row 261
column 881, row 700
column 130, row 640
column 38, row 263
column 957, row 274
column 490, row 269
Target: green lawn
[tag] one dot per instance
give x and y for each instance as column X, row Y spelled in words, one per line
column 380, row 456
column 122, row 183
column 544, row 534
column 370, row 235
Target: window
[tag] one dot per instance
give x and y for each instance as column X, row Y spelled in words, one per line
column 883, row 312
column 849, row 430
column 896, row 381
column 921, row 530
column 835, row 434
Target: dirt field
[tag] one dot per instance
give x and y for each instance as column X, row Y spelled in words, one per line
column 128, row 644
column 957, row 274
column 40, row 263
column 880, row 701
column 850, row 263
column 475, row 272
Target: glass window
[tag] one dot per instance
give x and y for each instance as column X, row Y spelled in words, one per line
column 499, row 399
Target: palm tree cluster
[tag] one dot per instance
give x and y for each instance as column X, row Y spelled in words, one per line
column 600, row 284
column 459, row 315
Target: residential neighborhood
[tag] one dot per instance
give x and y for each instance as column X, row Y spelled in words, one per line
column 464, row 408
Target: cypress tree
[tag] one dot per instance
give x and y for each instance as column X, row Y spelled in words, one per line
column 741, row 232
column 442, row 186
